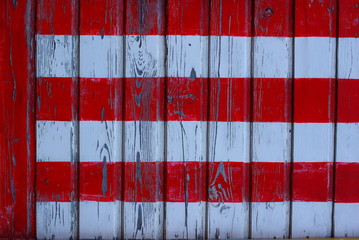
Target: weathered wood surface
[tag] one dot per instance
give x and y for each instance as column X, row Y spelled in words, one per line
column 57, row 112
column 17, row 119
column 179, row 119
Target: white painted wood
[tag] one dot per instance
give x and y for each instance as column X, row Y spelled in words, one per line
column 348, row 58
column 54, row 141
column 313, row 142
column 347, row 143
column 101, row 56
column 99, row 136
column 314, row 57
column 272, row 57
column 145, row 56
column 56, row 56
column 55, row 220
column 311, row 219
column 144, row 140
column 270, row 219
column 346, row 222
column 186, row 53
column 271, row 142
column 230, row 57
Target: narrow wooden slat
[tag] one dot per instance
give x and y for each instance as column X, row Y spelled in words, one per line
column 144, row 125
column 272, row 110
column 17, row 119
column 229, row 112
column 314, row 106
column 346, row 223
column 101, row 90
column 57, row 58
column 187, row 99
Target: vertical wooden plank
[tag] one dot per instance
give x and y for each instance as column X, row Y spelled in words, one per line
column 57, row 119
column 346, row 206
column 229, row 119
column 314, row 107
column 272, row 110
column 101, row 78
column 17, row 119
column 186, row 115
column 143, row 215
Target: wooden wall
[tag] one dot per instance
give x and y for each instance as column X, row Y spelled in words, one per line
column 179, row 119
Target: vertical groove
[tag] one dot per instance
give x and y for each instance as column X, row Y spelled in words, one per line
column 251, row 88
column 335, row 114
column 292, row 124
column 34, row 195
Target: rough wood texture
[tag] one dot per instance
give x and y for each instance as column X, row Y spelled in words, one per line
column 179, row 119
column 57, row 56
column 17, row 119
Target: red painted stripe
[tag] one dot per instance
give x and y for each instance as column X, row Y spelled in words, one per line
column 17, row 119
column 101, row 99
column 348, row 100
column 347, row 182
column 99, row 17
column 144, row 99
column 188, row 17
column 100, row 181
column 312, row 182
column 273, row 18
column 144, row 17
column 229, row 181
column 314, row 100
column 348, row 18
column 315, row 18
column 270, row 182
column 187, row 99
column 56, row 99
column 272, row 101
column 229, row 99
column 231, row 17
column 56, row 17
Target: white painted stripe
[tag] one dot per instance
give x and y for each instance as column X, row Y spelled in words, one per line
column 346, row 220
column 56, row 56
column 54, row 141
column 186, row 141
column 229, row 57
column 143, row 220
column 313, row 142
column 347, row 142
column 272, row 57
column 56, row 220
column 145, row 56
column 271, row 141
column 187, row 56
column 185, row 220
column 270, row 219
column 311, row 219
column 348, row 58
column 101, row 57
column 228, row 220
column 229, row 141
column 100, row 220
column 145, row 138
column 100, row 139
column 314, row 57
